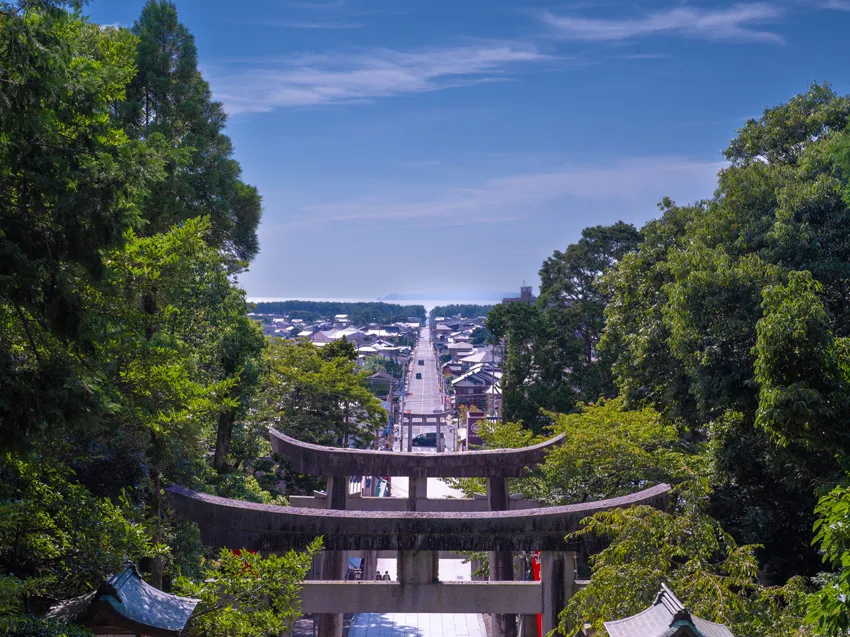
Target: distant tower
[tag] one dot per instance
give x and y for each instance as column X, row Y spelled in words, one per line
column 525, row 295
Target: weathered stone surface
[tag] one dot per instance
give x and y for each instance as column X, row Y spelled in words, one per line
column 557, row 570
column 317, row 460
column 443, row 597
column 238, row 524
column 356, row 502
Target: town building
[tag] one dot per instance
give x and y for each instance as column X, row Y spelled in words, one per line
column 525, row 296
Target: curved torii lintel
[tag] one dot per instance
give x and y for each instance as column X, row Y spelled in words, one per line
column 318, row 460
column 262, row 527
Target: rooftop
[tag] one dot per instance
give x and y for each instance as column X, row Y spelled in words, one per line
column 129, row 602
column 667, row 617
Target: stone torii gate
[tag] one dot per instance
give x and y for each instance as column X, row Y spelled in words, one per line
column 417, row 528
column 408, row 420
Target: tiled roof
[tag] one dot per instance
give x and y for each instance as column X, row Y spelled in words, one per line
column 667, row 616
column 130, row 597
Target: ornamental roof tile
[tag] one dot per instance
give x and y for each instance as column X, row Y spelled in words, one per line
column 134, row 600
column 665, row 618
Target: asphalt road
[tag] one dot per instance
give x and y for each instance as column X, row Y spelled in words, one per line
column 424, row 394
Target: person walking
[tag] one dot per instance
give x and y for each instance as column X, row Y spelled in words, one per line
column 378, row 576
column 386, row 576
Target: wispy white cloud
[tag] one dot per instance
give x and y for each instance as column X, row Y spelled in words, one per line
column 737, row 22
column 635, row 181
column 313, row 24
column 837, row 5
column 338, row 78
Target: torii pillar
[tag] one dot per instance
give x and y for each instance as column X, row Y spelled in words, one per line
column 501, row 562
column 333, row 562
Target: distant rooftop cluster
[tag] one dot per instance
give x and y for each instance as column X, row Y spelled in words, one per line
column 472, row 371
column 387, row 340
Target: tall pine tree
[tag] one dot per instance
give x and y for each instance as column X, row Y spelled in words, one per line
column 169, row 98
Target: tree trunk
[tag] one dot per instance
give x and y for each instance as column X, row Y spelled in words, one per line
column 156, row 510
column 222, row 440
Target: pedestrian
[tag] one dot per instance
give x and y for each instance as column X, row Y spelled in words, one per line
column 378, row 576
column 386, row 576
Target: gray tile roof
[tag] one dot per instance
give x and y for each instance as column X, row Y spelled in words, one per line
column 666, row 617
column 133, row 599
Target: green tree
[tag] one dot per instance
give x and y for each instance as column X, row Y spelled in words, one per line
column 714, row 577
column 573, row 304
column 69, row 181
column 607, row 451
column 169, row 97
column 244, row 594
column 703, row 314
column 342, row 349
column 314, row 399
column 524, row 389
column 56, row 538
column 125, row 352
column 32, row 626
column 238, row 349
column 552, row 358
column 802, row 370
column 827, row 607
column 611, row 451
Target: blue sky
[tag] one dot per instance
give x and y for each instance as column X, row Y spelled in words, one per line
column 427, row 145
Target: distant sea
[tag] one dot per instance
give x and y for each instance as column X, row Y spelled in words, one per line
column 428, row 303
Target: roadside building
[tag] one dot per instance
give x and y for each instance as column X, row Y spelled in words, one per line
column 471, row 388
column 459, row 350
column 478, row 356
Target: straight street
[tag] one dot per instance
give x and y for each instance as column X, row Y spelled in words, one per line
column 426, row 398
column 424, row 394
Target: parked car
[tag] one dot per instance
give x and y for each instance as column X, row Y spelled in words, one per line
column 418, row 375
column 426, row 440
column 421, row 361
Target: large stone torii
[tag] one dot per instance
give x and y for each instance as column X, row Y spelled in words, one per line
column 417, row 528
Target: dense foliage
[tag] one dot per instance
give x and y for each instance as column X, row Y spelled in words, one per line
column 316, row 398
column 725, row 323
column 244, row 594
column 358, row 313
column 455, row 309
column 731, row 317
column 552, row 358
column 167, row 99
column 714, row 577
column 127, row 360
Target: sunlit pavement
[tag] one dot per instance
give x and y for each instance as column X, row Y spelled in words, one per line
column 450, row 570
column 417, row 625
